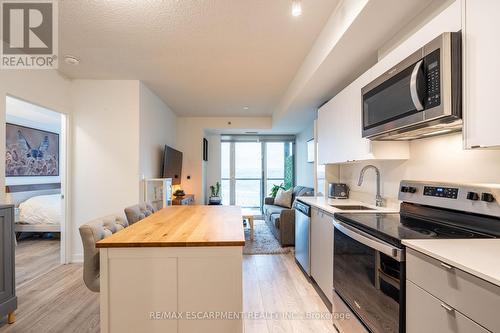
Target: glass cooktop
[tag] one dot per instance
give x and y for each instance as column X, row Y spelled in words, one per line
column 393, row 227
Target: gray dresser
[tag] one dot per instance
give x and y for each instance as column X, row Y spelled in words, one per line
column 8, row 299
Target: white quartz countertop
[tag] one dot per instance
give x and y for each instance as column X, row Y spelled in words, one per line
column 325, row 204
column 479, row 257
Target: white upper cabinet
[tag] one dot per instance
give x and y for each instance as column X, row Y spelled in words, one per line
column 339, row 121
column 481, row 30
column 339, row 130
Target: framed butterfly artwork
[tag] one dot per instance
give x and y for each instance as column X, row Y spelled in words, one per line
column 31, row 152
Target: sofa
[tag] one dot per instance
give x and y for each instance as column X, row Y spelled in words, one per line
column 281, row 220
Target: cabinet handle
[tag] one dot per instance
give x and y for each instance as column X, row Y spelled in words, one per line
column 446, row 266
column 447, row 307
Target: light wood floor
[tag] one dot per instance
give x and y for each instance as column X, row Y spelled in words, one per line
column 35, row 257
column 274, row 283
column 58, row 301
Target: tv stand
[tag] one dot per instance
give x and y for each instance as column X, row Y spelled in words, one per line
column 188, row 199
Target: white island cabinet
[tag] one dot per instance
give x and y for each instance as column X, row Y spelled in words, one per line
column 178, row 270
column 481, row 30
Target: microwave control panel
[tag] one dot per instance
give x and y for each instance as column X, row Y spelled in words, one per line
column 432, row 69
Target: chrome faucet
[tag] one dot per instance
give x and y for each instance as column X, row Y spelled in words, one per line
column 378, row 198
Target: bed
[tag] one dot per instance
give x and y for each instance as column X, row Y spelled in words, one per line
column 38, row 207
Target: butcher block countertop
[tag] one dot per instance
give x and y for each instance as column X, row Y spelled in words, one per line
column 183, row 226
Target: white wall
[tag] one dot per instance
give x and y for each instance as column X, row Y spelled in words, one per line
column 105, row 150
column 433, row 159
column 304, row 171
column 157, row 128
column 107, row 129
column 190, row 133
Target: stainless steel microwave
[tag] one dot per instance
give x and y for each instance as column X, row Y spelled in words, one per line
column 419, row 97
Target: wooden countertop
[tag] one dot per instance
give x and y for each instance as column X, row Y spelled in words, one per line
column 183, row 226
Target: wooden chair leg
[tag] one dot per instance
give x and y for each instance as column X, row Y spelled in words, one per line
column 250, row 220
column 11, row 318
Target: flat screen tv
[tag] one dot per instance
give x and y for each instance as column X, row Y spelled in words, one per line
column 172, row 165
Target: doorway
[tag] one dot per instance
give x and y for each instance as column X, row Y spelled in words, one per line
column 36, row 183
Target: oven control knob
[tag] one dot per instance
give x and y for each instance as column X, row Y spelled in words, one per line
column 412, row 189
column 488, row 197
column 404, row 189
column 472, row 196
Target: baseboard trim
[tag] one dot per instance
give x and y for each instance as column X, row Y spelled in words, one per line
column 76, row 258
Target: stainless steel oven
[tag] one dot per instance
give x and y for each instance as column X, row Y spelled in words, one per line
column 420, row 96
column 369, row 276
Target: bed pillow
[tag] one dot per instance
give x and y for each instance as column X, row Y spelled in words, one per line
column 284, row 198
column 42, row 209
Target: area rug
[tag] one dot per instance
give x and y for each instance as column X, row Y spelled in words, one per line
column 264, row 241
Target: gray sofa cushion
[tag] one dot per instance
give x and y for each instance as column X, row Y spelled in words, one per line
column 138, row 212
column 271, row 209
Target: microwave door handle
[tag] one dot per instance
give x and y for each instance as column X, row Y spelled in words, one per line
column 413, row 87
column 370, row 241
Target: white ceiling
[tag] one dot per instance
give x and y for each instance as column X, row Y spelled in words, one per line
column 202, row 57
column 354, row 52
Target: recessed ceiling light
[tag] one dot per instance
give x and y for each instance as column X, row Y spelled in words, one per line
column 246, row 108
column 296, row 8
column 71, row 60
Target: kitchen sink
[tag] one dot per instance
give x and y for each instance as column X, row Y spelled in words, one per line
column 352, row 207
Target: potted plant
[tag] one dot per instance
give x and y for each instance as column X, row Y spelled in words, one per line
column 215, row 198
column 275, row 189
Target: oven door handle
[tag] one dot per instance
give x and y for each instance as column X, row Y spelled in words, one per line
column 370, row 241
column 413, row 87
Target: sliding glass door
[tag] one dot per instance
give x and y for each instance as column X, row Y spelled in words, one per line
column 250, row 169
column 247, row 174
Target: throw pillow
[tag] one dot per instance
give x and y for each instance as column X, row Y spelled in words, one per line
column 284, row 198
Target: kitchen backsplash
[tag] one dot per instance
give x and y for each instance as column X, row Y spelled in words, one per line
column 435, row 159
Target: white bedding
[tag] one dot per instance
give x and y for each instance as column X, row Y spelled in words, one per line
column 42, row 209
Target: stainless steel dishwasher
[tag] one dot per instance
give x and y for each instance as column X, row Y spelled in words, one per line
column 302, row 235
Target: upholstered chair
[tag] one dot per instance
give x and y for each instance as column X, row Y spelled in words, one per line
column 138, row 212
column 91, row 233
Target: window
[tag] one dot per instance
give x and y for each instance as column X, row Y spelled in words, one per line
column 250, row 169
column 248, row 173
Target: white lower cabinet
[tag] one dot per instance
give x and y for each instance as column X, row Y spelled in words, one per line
column 426, row 313
column 322, row 251
column 442, row 298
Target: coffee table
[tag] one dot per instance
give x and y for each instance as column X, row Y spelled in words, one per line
column 249, row 216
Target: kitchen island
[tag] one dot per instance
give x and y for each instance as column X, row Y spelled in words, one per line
column 178, row 270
